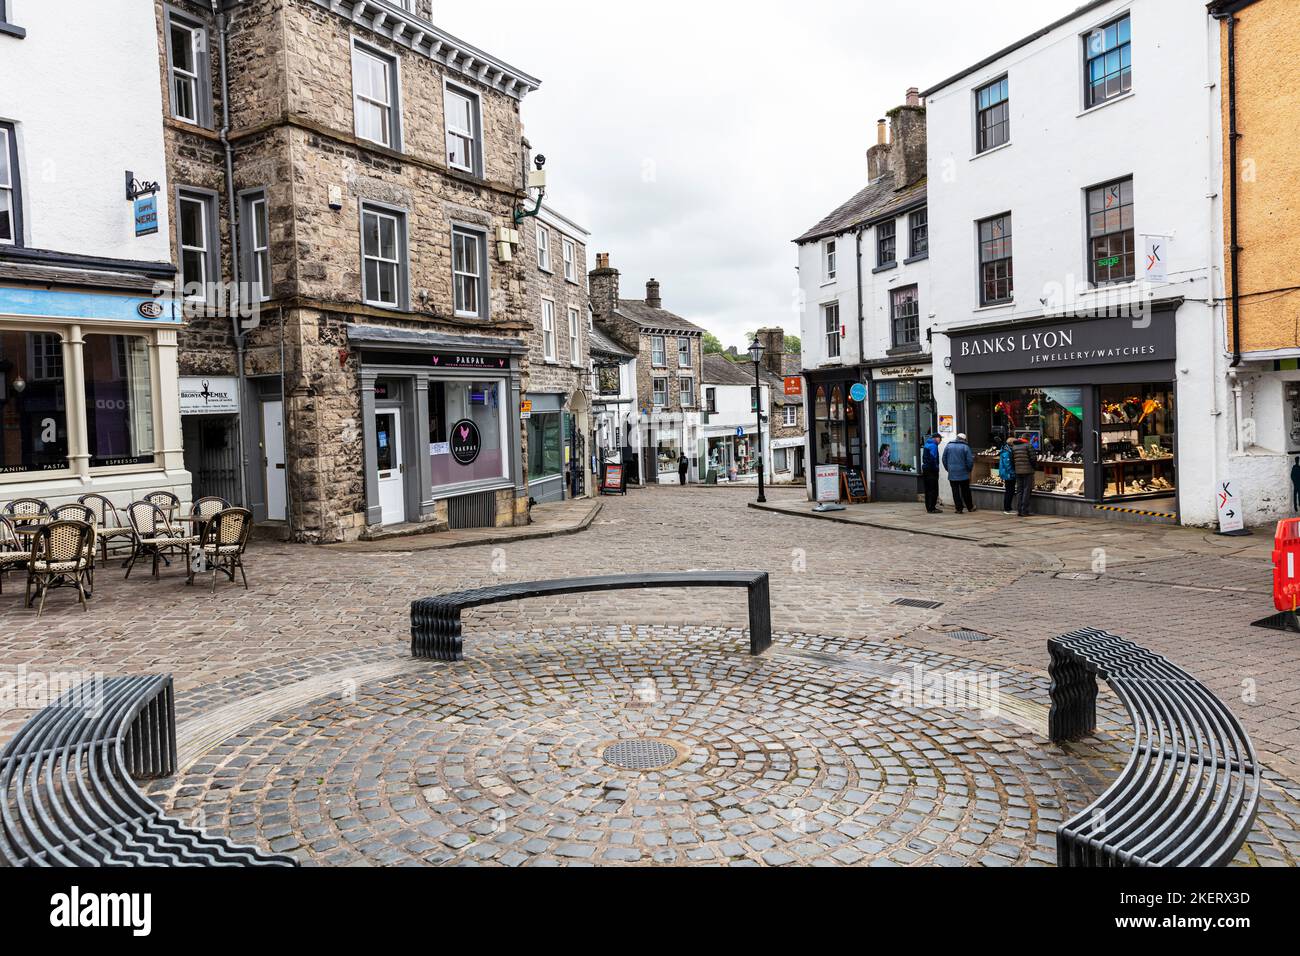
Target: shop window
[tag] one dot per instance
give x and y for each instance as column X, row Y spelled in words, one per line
column 33, row 403
column 1051, row 419
column 992, row 115
column 455, row 403
column 119, row 400
column 1108, row 61
column 1137, row 440
column 1111, row 252
column 780, row 461
column 545, row 446
column 995, row 260
column 830, row 425
column 905, row 316
column 898, row 428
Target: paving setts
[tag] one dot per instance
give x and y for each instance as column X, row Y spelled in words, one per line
column 803, row 756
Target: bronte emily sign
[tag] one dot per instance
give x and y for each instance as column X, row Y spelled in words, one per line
column 1149, row 338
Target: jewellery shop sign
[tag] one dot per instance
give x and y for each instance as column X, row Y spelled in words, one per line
column 1147, row 338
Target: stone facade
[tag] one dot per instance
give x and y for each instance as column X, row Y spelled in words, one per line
column 292, row 134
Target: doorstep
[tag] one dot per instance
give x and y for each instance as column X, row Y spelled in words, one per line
column 549, row 521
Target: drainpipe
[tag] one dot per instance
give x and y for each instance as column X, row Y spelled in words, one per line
column 862, row 347
column 1233, row 136
column 1236, row 398
column 223, row 27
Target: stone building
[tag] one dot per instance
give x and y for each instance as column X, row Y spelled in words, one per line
column 344, row 221
column 557, row 380
column 668, row 372
column 787, row 435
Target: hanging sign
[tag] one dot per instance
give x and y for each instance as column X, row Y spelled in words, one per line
column 146, row 215
column 827, row 478
column 1155, row 258
column 793, row 385
column 465, row 442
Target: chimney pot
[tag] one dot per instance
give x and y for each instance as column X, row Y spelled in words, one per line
column 913, row 96
column 652, row 298
column 602, row 260
column 882, row 132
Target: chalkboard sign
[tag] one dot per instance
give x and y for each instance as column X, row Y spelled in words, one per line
column 612, row 483
column 855, row 489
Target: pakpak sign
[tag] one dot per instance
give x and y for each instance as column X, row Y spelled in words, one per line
column 1066, row 344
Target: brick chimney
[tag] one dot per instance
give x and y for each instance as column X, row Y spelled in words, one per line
column 903, row 155
column 603, row 286
column 773, row 349
column 878, row 155
column 652, row 298
column 913, row 97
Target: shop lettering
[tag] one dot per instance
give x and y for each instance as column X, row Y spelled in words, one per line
column 1028, row 342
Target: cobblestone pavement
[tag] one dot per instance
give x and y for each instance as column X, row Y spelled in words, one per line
column 380, row 764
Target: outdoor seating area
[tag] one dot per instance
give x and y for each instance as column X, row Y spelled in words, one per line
column 61, row 546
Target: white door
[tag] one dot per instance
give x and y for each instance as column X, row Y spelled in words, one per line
column 273, row 459
column 388, row 453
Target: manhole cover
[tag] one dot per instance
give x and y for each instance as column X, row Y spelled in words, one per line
column 639, row 754
column 914, row 602
column 969, row 636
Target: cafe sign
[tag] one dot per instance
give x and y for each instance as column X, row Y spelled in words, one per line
column 1146, row 337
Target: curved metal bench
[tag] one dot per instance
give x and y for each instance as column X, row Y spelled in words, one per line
column 1190, row 791
column 435, row 622
column 67, row 784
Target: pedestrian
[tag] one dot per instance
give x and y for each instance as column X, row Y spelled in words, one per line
column 1007, row 472
column 958, row 460
column 883, row 458
column 930, row 474
column 683, row 463
column 1295, row 485
column 1025, row 462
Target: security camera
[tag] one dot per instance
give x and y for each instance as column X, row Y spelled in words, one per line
column 539, row 161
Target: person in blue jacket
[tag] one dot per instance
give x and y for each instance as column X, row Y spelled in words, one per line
column 958, row 460
column 930, row 473
column 1007, row 472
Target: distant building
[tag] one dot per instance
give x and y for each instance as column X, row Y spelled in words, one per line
column 615, row 411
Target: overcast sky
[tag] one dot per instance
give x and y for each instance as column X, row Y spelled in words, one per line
column 695, row 139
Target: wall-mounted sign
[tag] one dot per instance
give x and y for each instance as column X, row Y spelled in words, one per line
column 793, row 385
column 437, row 448
column 457, row 360
column 947, row 425
column 1146, row 337
column 146, row 215
column 150, row 309
column 858, row 392
column 209, row 395
column 1155, row 258
column 525, row 410
column 465, row 442
column 901, row 371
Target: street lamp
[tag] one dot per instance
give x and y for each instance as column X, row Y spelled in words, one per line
column 756, row 356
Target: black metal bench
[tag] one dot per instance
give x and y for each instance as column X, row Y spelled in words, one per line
column 1190, row 791
column 436, row 628
column 67, row 784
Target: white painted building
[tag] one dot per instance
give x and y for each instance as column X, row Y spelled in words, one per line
column 88, row 375
column 614, row 408
column 1056, row 167
column 866, row 312
column 730, row 424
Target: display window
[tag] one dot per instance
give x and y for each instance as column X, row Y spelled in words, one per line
column 831, row 421
column 466, row 432
column 119, row 400
column 1137, row 440
column 33, row 403
column 1050, row 419
column 904, row 416
column 545, row 446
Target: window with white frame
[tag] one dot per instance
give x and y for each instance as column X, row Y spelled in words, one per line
column 831, row 324
column 686, row 391
column 683, row 351
column 659, row 391
column 463, row 129
column 46, row 356
column 257, row 240
column 779, row 460
column 195, row 224
column 575, row 347
column 10, row 195
column 828, row 259
column 469, row 273
column 548, row 330
column 374, row 95
column 569, row 250
column 543, row 248
column 711, row 401
column 658, row 354
column 188, row 82
column 383, row 254
column 790, row 415
column 118, row 384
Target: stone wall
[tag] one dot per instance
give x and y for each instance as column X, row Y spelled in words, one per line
column 567, row 373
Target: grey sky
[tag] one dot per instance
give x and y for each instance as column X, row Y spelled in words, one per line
column 695, row 139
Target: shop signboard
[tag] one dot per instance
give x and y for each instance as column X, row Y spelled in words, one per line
column 855, row 489
column 827, row 479
column 1155, row 258
column 793, row 385
column 1066, row 344
column 900, row 372
column 465, row 442
column 858, row 392
column 612, row 483
column 1231, row 517
column 209, row 395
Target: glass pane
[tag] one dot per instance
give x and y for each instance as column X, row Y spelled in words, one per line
column 33, row 405
column 192, row 231
column 183, row 98
column 370, row 234
column 119, row 400
column 193, row 271
column 183, row 49
column 452, row 404
column 385, row 453
column 6, row 216
column 372, row 280
column 387, row 237
column 388, row 283
column 4, row 158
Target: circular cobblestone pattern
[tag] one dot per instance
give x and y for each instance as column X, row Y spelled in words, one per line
column 785, row 759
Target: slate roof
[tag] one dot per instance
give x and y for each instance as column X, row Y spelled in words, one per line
column 722, row 371
column 602, row 344
column 877, row 201
column 648, row 318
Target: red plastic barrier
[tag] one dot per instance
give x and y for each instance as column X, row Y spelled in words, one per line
column 1286, row 565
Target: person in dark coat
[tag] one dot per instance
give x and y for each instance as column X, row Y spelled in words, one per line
column 958, row 460
column 930, row 473
column 1024, row 461
column 683, row 465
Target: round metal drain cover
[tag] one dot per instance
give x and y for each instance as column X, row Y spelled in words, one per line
column 969, row 637
column 639, row 754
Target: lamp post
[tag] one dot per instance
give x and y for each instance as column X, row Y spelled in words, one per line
column 756, row 356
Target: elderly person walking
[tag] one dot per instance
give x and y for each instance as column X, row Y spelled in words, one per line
column 958, row 460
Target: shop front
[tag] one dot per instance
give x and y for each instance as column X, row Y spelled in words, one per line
column 88, row 395
column 547, row 425
column 902, row 415
column 836, row 429
column 441, row 426
column 1096, row 397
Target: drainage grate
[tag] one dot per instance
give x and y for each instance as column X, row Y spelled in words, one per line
column 969, row 637
column 913, row 602
column 639, row 754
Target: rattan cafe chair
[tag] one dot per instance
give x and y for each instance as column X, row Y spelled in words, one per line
column 154, row 536
column 225, row 538
column 109, row 528
column 60, row 557
column 13, row 552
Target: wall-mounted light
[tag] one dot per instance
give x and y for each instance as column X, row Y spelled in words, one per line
column 20, row 385
column 536, row 180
